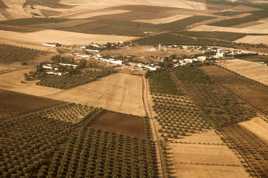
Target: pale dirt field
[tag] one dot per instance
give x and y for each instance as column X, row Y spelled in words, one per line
column 12, row 81
column 258, row 127
column 204, row 155
column 252, row 70
column 164, row 20
column 63, row 37
column 82, row 7
column 204, row 171
column 21, row 43
column 205, row 137
column 99, row 4
column 15, row 9
column 253, row 39
column 256, row 29
column 77, row 14
column 117, row 92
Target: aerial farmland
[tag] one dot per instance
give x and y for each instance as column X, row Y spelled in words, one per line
column 133, row 89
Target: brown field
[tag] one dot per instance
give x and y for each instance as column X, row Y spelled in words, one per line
column 252, row 70
column 247, row 89
column 14, row 103
column 124, row 124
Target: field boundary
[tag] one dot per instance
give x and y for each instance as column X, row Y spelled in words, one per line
column 156, row 137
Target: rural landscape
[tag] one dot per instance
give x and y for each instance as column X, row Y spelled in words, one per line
column 134, row 89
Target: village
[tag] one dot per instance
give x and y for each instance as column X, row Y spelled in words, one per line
column 93, row 52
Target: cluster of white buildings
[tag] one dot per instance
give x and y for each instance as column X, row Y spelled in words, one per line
column 108, row 60
column 58, row 69
column 92, row 51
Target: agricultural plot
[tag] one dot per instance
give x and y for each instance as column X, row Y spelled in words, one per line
column 36, row 39
column 116, row 24
column 217, row 103
column 117, row 92
column 253, row 150
column 129, row 125
column 251, row 70
column 11, row 54
column 178, row 116
column 40, row 145
column 205, row 160
column 220, row 105
column 12, row 103
column 254, row 39
column 259, row 29
column 73, row 80
column 187, row 125
column 160, row 82
column 188, row 39
column 255, row 16
column 227, row 36
column 249, row 90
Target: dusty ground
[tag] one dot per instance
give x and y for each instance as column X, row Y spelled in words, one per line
column 204, row 155
column 129, row 125
column 12, row 81
column 253, row 39
column 258, row 127
column 118, row 92
column 164, row 20
column 258, row 29
column 68, row 38
column 187, row 4
column 252, row 70
column 11, row 9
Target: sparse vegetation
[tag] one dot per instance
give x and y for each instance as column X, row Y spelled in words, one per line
column 32, row 21
column 161, row 82
column 10, row 54
column 73, row 79
column 255, row 16
column 59, row 148
column 178, row 116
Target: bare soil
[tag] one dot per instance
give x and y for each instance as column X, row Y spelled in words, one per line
column 13, row 103
column 204, row 155
column 119, row 123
